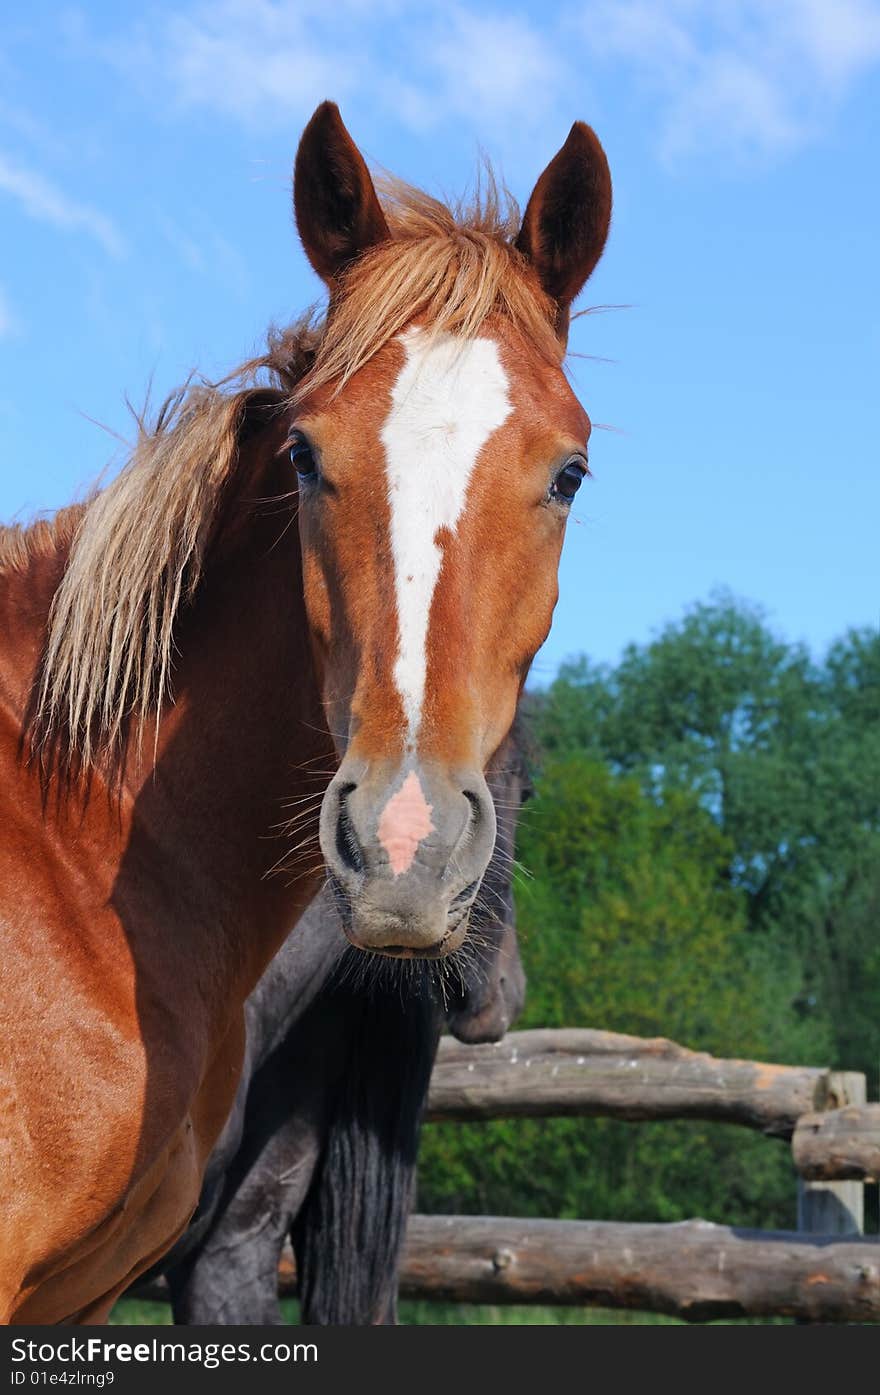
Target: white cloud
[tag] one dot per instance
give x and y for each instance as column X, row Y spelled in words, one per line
column 46, row 203
column 202, row 249
column 499, row 68
column 269, row 61
column 255, row 59
column 8, row 322
column 731, row 102
column 26, row 126
column 840, row 39
column 258, row 61
column 746, row 78
column 190, row 252
column 749, row 77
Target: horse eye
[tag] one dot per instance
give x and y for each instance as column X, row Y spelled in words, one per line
column 568, row 481
column 301, row 458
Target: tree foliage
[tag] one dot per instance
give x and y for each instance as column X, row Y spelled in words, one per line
column 785, row 755
column 700, row 862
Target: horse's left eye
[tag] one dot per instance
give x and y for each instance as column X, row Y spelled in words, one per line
column 568, row 481
column 302, row 458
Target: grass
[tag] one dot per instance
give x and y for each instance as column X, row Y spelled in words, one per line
column 140, row 1312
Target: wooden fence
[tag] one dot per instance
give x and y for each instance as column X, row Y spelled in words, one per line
column 825, row 1271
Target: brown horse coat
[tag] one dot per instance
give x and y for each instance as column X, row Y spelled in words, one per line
column 133, row 928
column 340, row 591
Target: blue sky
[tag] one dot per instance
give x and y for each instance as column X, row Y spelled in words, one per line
column 145, row 229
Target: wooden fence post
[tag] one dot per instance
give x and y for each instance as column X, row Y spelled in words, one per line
column 835, row 1208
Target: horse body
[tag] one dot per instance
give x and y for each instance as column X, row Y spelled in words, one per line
column 321, row 613
column 134, row 928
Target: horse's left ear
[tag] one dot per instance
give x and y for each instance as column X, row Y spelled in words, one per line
column 566, row 221
column 338, row 213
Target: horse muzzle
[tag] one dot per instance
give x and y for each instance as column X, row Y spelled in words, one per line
column 406, row 848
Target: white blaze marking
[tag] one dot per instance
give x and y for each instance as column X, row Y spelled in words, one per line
column 449, row 398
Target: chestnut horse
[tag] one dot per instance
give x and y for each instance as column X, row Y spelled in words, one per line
column 348, row 572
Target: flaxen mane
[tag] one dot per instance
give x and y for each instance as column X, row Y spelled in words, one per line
column 450, row 269
column 139, row 545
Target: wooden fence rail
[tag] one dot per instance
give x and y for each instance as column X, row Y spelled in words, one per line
column 590, row 1073
column 839, row 1144
column 693, row 1269
column 690, row 1269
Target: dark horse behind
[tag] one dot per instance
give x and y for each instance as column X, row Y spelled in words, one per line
column 321, row 1143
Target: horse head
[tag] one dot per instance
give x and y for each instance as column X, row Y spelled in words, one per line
column 437, row 446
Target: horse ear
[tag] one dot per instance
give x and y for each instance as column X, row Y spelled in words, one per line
column 338, row 214
column 566, row 220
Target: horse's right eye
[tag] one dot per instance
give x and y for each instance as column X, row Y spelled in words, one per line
column 302, row 458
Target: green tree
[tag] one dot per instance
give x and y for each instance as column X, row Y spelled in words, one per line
column 785, row 754
column 841, row 886
column 716, row 705
column 703, row 863
column 627, row 922
column 626, row 919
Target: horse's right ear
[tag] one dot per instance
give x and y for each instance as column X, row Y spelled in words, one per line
column 338, row 214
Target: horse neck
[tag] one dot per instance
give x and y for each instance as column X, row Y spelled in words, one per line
column 201, row 797
column 244, row 745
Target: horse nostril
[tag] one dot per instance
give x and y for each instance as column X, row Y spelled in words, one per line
column 465, row 896
column 476, row 807
column 347, row 845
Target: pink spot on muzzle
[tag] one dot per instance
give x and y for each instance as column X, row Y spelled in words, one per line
column 404, row 822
